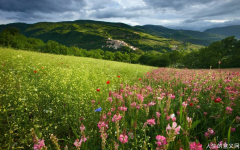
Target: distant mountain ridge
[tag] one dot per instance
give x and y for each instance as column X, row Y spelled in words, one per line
column 233, row 30
column 90, row 34
column 194, row 37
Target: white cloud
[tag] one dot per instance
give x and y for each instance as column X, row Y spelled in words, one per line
column 217, row 21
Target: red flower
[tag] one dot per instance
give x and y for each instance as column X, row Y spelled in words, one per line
column 35, row 71
column 217, row 100
column 118, row 76
column 67, row 66
column 191, row 104
column 140, row 79
column 81, row 119
column 98, row 90
column 108, row 82
column 42, row 67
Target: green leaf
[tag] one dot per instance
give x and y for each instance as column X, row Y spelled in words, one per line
column 229, row 132
column 195, row 123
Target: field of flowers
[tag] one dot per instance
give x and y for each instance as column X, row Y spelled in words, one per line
column 62, row 102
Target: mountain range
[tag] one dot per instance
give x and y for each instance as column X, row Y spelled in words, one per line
column 89, row 34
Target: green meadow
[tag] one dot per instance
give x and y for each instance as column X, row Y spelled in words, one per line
column 51, row 92
column 63, row 102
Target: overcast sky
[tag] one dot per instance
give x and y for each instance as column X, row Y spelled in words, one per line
column 178, row 14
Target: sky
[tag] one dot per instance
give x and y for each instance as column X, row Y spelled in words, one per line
column 175, row 14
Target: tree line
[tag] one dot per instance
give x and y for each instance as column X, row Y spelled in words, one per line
column 226, row 51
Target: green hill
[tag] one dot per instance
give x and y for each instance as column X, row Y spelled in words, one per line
column 90, row 34
column 226, row 31
column 194, row 37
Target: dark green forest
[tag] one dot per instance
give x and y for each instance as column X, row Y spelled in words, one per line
column 227, row 51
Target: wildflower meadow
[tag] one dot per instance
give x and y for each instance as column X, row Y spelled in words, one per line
column 65, row 102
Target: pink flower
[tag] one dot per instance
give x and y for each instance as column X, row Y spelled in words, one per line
column 161, row 140
column 151, row 122
column 140, row 97
column 209, row 133
column 83, row 138
column 112, row 109
column 174, row 119
column 116, row 145
column 195, row 146
column 138, row 107
column 174, row 125
column 178, row 113
column 104, row 116
column 93, row 101
column 184, row 104
column 110, row 99
column 237, row 119
column 168, row 118
column 213, row 146
column 205, row 113
column 82, row 128
column 78, row 143
column 158, row 114
column 39, row 145
column 105, row 134
column 122, row 108
column 123, row 138
column 145, row 125
column 151, row 104
column 102, row 124
column 232, row 129
column 115, row 118
column 109, row 113
column 189, row 119
column 133, row 104
column 229, row 110
column 172, row 96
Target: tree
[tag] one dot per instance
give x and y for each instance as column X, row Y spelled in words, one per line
column 118, row 56
column 109, row 55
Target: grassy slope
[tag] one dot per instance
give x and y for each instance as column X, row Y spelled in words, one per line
column 61, row 84
column 92, row 34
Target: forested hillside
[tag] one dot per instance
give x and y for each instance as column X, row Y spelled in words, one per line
column 93, row 35
column 219, row 54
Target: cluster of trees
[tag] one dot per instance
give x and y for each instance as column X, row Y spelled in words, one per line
column 227, row 51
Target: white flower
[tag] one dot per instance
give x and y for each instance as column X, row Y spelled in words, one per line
column 172, row 115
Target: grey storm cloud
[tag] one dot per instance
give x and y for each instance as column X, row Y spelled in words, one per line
column 113, row 13
column 46, row 6
column 225, row 9
column 184, row 14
